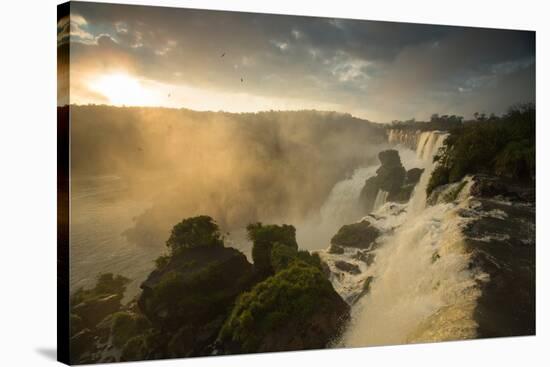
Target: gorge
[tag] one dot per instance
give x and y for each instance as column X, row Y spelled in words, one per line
column 390, row 257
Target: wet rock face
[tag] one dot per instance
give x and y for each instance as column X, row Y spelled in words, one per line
column 487, row 187
column 391, row 174
column 501, row 236
column 413, row 176
column 391, row 177
column 347, row 267
column 359, row 235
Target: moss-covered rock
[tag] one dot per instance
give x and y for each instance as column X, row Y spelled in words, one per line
column 295, row 309
column 196, row 286
column 359, row 235
column 263, row 238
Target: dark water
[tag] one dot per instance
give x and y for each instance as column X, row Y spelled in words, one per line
column 101, row 209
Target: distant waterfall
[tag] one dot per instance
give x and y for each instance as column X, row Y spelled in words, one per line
column 428, row 145
column 423, row 288
column 406, row 138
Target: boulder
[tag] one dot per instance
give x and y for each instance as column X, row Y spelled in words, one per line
column 359, row 235
column 347, row 267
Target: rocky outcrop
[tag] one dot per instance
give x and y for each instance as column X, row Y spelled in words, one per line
column 359, row 235
column 392, row 178
column 295, row 309
column 190, row 296
column 347, row 267
column 204, row 298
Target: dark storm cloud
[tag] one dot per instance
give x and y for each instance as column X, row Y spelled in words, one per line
column 378, row 70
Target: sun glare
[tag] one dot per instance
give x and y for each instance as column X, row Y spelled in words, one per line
column 122, row 89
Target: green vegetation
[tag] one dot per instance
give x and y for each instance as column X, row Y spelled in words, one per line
column 283, row 256
column 502, row 146
column 126, row 325
column 288, row 298
column 135, row 349
column 200, row 231
column 264, row 237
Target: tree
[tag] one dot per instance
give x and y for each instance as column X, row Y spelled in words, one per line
column 264, row 237
column 200, row 231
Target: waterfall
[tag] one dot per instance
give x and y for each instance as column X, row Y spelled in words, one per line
column 341, row 207
column 406, row 138
column 423, row 288
column 428, row 145
column 381, row 198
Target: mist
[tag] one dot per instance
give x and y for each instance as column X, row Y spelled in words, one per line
column 274, row 166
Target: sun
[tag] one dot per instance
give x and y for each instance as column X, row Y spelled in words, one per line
column 122, row 89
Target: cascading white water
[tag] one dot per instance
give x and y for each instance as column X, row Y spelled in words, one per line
column 428, row 145
column 381, row 198
column 341, row 207
column 423, row 289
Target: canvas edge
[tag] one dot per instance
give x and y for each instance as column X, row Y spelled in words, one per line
column 63, row 199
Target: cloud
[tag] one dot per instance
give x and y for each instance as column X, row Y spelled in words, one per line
column 389, row 70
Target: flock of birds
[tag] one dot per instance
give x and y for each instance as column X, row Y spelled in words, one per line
column 221, row 56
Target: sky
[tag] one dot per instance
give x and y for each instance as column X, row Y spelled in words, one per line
column 245, row 62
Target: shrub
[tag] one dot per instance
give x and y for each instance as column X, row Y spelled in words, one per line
column 283, row 256
column 200, row 231
column 502, row 146
column 288, row 298
column 127, row 325
column 264, row 237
